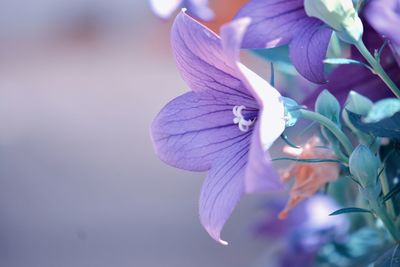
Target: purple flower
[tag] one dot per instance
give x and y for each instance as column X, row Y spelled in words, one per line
column 354, row 77
column 306, row 229
column 277, row 22
column 384, row 16
column 224, row 125
column 165, row 8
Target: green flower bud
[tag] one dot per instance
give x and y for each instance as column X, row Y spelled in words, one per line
column 361, row 105
column 364, row 166
column 328, row 106
column 339, row 15
column 292, row 112
column 358, row 104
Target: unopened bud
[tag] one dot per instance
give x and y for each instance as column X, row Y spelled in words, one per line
column 339, row 15
column 364, row 166
column 327, row 105
column 358, row 104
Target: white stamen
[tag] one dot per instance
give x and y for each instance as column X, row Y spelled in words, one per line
column 243, row 124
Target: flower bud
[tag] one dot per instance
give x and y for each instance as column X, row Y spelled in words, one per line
column 358, row 104
column 361, row 105
column 292, row 112
column 327, row 105
column 364, row 166
column 339, row 15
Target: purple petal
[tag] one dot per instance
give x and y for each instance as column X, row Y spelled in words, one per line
column 203, row 64
column 308, row 50
column 222, row 189
column 396, row 52
column 354, row 77
column 164, row 8
column 278, row 22
column 194, row 130
column 260, row 175
column 273, row 22
column 200, row 9
column 384, row 16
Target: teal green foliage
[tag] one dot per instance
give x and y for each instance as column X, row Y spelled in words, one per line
column 358, row 104
column 383, row 109
column 345, row 61
column 340, row 15
column 391, row 258
column 292, row 111
column 279, row 56
column 387, row 127
column 390, row 154
column 328, row 106
column 359, row 250
column 349, row 210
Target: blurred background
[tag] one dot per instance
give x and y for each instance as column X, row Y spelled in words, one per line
column 80, row 81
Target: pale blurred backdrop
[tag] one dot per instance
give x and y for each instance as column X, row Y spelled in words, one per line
column 80, row 186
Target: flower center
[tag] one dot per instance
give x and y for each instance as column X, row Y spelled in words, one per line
column 244, row 121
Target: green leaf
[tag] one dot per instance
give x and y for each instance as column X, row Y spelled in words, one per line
column 392, row 193
column 390, row 258
column 349, row 210
column 358, row 103
column 328, row 106
column 287, row 140
column 358, row 250
column 388, row 127
column 383, row 109
column 345, row 61
column 390, row 154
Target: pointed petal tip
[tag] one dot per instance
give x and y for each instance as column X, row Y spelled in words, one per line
column 222, row 242
column 215, row 234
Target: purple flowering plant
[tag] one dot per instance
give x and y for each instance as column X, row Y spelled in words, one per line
column 230, row 123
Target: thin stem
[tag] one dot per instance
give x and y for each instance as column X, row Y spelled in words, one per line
column 381, row 212
column 385, row 190
column 324, row 121
column 378, row 70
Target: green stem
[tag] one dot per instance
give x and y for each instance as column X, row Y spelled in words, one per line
column 385, row 190
column 381, row 212
column 377, row 68
column 327, row 123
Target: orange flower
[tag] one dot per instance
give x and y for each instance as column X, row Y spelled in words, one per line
column 223, row 13
column 308, row 177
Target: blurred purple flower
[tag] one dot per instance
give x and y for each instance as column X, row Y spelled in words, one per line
column 224, row 125
column 277, row 22
column 306, row 229
column 384, row 16
column 354, row 77
column 198, row 8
